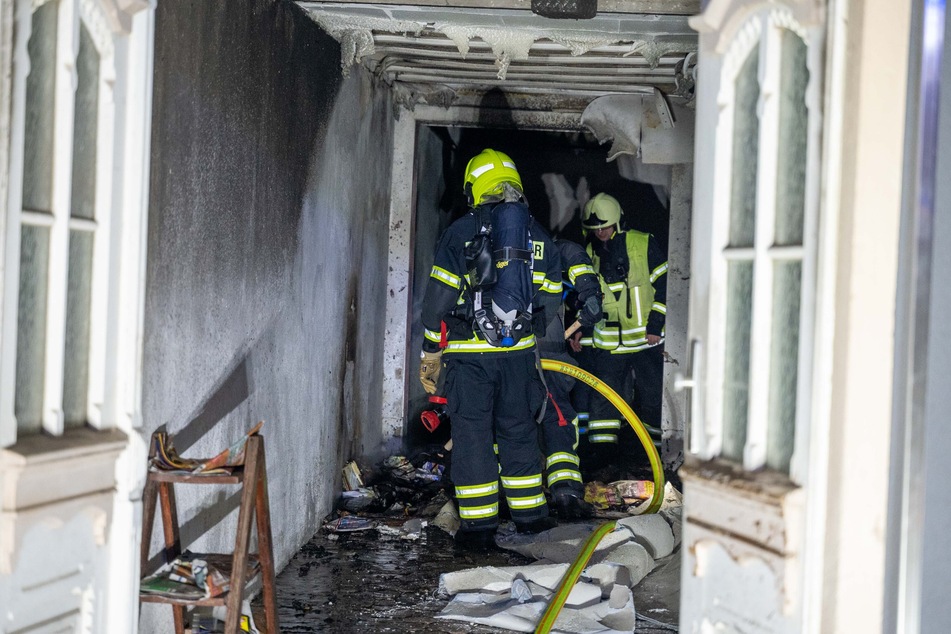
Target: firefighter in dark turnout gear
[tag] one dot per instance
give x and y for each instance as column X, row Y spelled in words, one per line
column 560, row 422
column 633, row 272
column 493, row 384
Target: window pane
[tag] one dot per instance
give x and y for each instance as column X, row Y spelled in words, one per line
column 84, row 128
column 793, row 121
column 736, row 375
column 745, row 148
column 78, row 294
column 784, row 365
column 31, row 328
column 38, row 146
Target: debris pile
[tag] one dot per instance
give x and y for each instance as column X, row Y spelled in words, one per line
column 403, row 495
column 602, row 601
column 399, row 490
column 623, row 496
column 193, row 576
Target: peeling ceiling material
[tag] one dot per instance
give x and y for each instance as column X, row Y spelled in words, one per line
column 441, row 50
column 644, row 126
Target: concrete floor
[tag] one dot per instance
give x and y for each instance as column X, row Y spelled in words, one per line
column 364, row 582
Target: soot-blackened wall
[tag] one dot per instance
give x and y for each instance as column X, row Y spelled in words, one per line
column 267, row 257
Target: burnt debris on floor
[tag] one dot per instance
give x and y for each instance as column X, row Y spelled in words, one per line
column 385, row 561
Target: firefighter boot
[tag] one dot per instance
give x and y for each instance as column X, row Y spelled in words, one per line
column 478, row 540
column 571, row 506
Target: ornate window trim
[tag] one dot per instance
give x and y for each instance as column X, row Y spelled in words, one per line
column 730, row 30
column 119, row 203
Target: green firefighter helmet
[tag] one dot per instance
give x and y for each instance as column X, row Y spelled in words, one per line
column 486, row 174
column 601, row 211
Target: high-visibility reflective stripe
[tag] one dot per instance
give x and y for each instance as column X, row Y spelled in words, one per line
column 495, row 448
column 478, row 512
column 656, row 273
column 610, row 337
column 606, row 338
column 432, row 335
column 660, row 308
column 578, row 270
column 634, row 331
column 479, row 171
column 619, row 349
column 446, row 277
column 637, row 309
column 617, row 287
column 522, row 482
column 477, row 490
column 604, row 424
column 585, row 341
column 612, row 331
column 562, row 456
column 530, row 502
column 602, row 438
column 547, row 285
column 630, row 349
column 478, row 345
column 613, row 342
column 562, row 475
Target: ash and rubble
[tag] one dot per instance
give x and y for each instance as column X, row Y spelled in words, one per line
column 393, row 526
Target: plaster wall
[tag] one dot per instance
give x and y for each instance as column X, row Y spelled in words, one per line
column 431, row 220
column 267, row 268
column 676, row 346
column 863, row 182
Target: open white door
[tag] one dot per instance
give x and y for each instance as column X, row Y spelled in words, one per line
column 752, row 313
column 75, row 78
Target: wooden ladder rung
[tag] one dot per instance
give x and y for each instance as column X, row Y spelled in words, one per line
column 254, row 505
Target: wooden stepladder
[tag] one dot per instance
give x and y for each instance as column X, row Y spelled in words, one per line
column 252, row 476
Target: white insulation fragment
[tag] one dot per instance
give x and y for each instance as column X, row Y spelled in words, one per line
column 355, row 34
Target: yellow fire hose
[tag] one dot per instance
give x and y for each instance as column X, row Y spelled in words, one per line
column 571, row 576
column 657, row 468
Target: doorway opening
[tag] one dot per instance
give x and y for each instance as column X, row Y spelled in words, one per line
column 560, row 171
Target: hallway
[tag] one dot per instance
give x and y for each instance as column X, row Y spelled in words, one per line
column 213, row 214
column 363, row 582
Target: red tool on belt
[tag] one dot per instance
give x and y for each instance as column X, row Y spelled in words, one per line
column 432, row 418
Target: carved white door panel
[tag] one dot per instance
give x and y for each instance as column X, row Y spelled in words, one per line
column 752, row 312
column 75, row 76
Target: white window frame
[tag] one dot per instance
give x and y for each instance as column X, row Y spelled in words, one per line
column 92, row 461
column 738, row 27
column 104, row 285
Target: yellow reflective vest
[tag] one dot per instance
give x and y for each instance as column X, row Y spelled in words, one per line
column 627, row 304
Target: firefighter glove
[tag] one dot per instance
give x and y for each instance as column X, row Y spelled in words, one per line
column 429, row 365
column 591, row 311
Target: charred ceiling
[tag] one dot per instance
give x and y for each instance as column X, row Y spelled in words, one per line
column 435, row 54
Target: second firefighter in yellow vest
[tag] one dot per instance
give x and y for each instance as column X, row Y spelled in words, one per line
column 633, row 273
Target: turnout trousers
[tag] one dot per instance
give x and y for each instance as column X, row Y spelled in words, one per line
column 611, row 439
column 583, row 394
column 559, row 430
column 495, row 396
